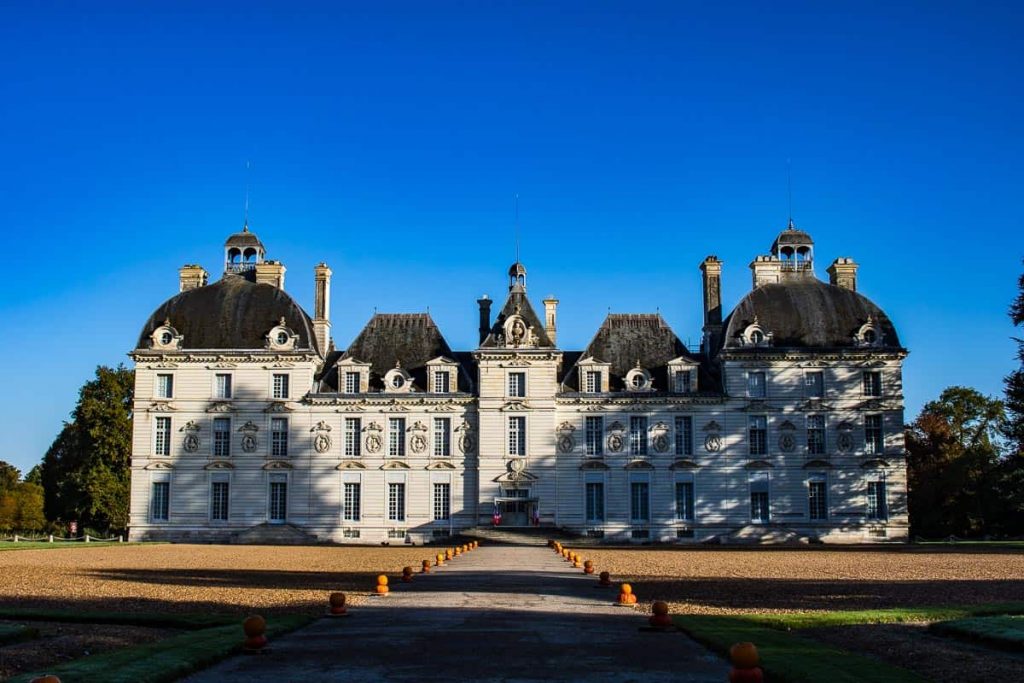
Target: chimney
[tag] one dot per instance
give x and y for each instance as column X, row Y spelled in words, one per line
column 767, row 270
column 322, row 306
column 711, row 274
column 550, row 309
column 843, row 273
column 191, row 276
column 485, row 316
column 270, row 273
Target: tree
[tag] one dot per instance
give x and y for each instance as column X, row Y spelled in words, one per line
column 85, row 473
column 954, row 465
column 9, row 476
column 1012, row 484
column 21, row 503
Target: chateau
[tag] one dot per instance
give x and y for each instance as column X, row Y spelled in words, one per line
column 250, row 424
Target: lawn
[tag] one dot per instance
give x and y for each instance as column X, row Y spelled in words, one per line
column 1005, row 631
column 44, row 545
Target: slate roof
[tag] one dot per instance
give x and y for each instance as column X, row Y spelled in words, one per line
column 517, row 298
column 244, row 239
column 232, row 313
column 625, row 338
column 807, row 313
column 791, row 235
column 412, row 338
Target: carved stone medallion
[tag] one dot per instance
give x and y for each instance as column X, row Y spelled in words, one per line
column 191, row 443
column 787, row 442
column 373, row 442
column 566, row 443
column 712, row 443
column 418, row 443
column 661, row 443
column 615, row 443
column 322, row 442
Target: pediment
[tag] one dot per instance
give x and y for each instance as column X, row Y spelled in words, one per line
column 219, row 465
column 161, row 407
column 875, row 462
column 591, row 360
column 278, row 465
column 352, row 362
column 639, row 465
column 220, row 407
column 683, row 360
column 440, row 466
column 395, row 465
column 683, row 464
column 350, row 465
column 594, row 465
column 159, row 466
column 278, row 407
column 442, row 360
column 759, row 465
column 515, row 477
column 817, row 464
column 515, row 406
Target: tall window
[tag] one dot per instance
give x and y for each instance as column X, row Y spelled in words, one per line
column 396, row 502
column 684, row 500
column 638, row 435
column 280, row 386
column 878, row 507
column 351, row 503
column 162, row 436
column 816, row 434
column 594, row 433
column 442, row 501
column 681, row 381
column 165, row 386
column 221, row 437
column 279, row 437
column 219, row 501
column 817, row 497
column 517, row 384
column 517, row 435
column 639, row 501
column 873, row 383
column 277, row 506
column 353, row 427
column 594, row 493
column 684, row 435
column 442, row 381
column 222, row 386
column 396, row 436
column 760, row 511
column 758, row 435
column 160, row 501
column 814, row 384
column 592, row 381
column 873, row 439
column 756, row 385
column 351, row 385
column 442, row 437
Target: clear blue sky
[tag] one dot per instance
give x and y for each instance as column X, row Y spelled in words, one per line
column 389, row 139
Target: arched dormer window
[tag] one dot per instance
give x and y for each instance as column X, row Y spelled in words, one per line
column 868, row 334
column 281, row 337
column 638, row 379
column 755, row 335
column 397, row 380
column 166, row 338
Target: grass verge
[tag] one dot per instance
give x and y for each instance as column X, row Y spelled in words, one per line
column 43, row 545
column 789, row 658
column 799, row 620
column 15, row 633
column 166, row 660
column 184, row 621
column 1005, row 632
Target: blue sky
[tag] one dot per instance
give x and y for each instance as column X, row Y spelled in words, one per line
column 389, row 140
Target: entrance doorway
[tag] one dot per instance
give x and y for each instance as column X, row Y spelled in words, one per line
column 516, row 507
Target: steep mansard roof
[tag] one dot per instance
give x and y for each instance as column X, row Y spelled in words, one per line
column 626, row 338
column 232, row 313
column 807, row 313
column 517, row 302
column 389, row 338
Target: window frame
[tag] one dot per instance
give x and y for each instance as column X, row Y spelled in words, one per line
column 229, row 385
column 874, row 512
column 349, row 376
column 638, row 438
column 519, row 451
column 757, row 436
column 594, row 509
column 279, row 437
column 817, row 506
column 396, row 437
column 442, row 437
column 442, row 506
column 515, row 384
column 817, row 438
column 874, row 435
column 280, row 391
column 752, row 390
column 593, row 448
column 221, row 438
column 593, row 381
column 163, row 481
column 351, row 505
column 442, row 377
column 645, row 503
column 396, row 501
column 871, row 383
column 162, row 434
column 684, row 435
column 757, row 478
column 161, row 392
column 688, row 513
column 279, row 478
column 812, row 390
column 215, row 481
column 352, row 430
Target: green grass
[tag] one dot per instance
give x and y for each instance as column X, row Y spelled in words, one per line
column 15, row 633
column 43, row 545
column 1000, row 631
column 799, row 620
column 165, row 660
column 184, row 621
column 1012, row 545
column 788, row 658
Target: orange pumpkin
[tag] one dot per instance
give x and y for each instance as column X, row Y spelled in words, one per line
column 48, row 678
column 337, row 599
column 254, row 626
column 659, row 607
column 744, row 656
column 626, row 588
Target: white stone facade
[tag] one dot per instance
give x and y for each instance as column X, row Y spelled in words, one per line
column 754, row 438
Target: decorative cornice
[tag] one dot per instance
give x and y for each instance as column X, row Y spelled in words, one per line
column 149, row 357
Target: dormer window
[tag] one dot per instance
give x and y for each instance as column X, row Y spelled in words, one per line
column 281, row 338
column 755, row 335
column 638, row 379
column 593, row 381
column 351, row 385
column 442, row 375
column 397, row 380
column 166, row 338
column 442, row 382
column 869, row 334
column 681, row 381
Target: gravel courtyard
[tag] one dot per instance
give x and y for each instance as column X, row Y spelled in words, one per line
column 196, row 578
column 785, row 579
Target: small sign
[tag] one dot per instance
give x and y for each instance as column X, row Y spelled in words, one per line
column 72, row 527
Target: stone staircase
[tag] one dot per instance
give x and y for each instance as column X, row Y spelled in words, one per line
column 532, row 536
column 274, row 534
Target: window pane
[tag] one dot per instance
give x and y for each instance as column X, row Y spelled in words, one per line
column 758, row 435
column 351, row 504
column 517, row 436
column 221, row 437
column 396, row 502
column 593, row 381
column 441, row 382
column 162, row 436
column 280, row 386
column 682, row 381
column 816, row 434
column 219, row 501
column 517, row 384
column 815, row 384
column 353, row 428
column 442, row 437
column 164, row 386
column 595, row 501
column 638, row 435
column 684, row 435
column 396, row 436
column 223, row 389
column 817, row 499
column 684, row 500
column 160, row 502
column 756, row 384
column 442, row 501
column 640, row 508
column 594, row 434
column 278, row 501
column 279, row 437
column 351, row 382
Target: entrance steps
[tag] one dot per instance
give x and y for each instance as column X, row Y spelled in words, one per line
column 531, row 536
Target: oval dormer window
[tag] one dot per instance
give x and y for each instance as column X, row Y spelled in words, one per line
column 638, row 379
column 397, row 381
column 870, row 336
column 757, row 337
column 282, row 338
column 166, row 337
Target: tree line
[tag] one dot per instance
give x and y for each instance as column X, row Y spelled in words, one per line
column 965, row 461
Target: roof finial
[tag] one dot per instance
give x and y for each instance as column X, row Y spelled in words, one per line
column 789, row 183
column 248, row 176
column 517, row 227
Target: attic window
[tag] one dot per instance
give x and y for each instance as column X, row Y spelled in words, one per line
column 638, row 379
column 165, row 337
column 280, row 337
column 868, row 335
column 755, row 335
column 397, row 382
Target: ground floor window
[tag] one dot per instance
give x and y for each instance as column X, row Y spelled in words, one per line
column 442, row 501
column 396, row 502
column 219, row 501
column 684, row 500
column 160, row 502
column 350, row 508
column 640, row 501
column 817, row 497
column 594, row 493
column 760, row 511
column 278, row 494
column 878, row 508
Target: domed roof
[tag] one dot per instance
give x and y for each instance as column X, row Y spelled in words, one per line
column 807, row 313
column 244, row 239
column 517, row 268
column 791, row 236
column 232, row 313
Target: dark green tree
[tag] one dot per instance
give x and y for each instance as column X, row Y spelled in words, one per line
column 85, row 473
column 9, row 476
column 954, row 461
column 1011, row 487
